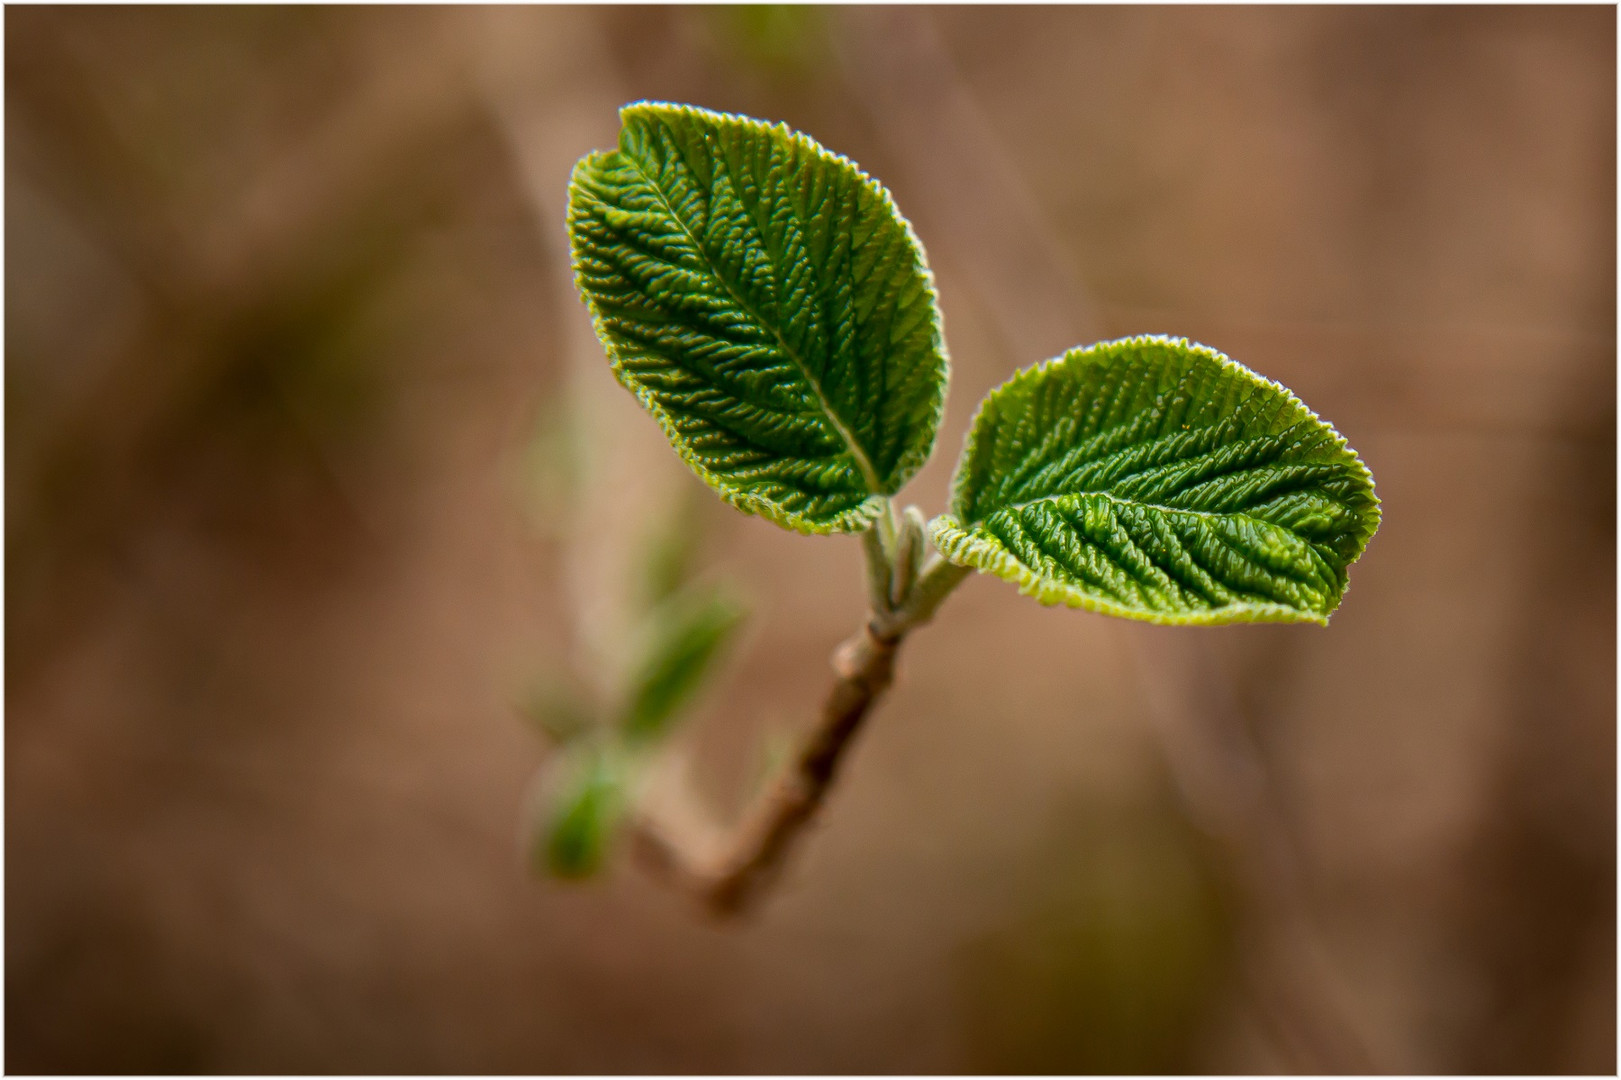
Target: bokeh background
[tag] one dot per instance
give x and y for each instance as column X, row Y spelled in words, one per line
column 313, row 466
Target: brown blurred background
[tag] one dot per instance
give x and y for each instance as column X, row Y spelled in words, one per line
column 289, row 336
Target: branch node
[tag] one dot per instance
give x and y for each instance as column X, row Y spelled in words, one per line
column 865, row 667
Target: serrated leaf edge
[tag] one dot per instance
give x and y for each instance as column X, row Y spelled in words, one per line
column 857, row 518
column 954, row 540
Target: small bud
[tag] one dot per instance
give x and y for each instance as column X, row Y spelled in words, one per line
column 909, row 550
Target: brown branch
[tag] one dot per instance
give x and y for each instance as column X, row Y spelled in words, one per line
column 864, row 667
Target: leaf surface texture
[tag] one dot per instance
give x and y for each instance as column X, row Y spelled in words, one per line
column 1159, row 480
column 767, row 303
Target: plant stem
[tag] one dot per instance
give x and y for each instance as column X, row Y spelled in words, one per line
column 864, row 667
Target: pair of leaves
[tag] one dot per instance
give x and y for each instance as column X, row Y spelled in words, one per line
column 769, row 306
column 584, row 789
column 681, row 641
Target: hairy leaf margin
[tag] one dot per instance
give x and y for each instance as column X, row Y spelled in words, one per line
column 962, row 543
column 851, row 518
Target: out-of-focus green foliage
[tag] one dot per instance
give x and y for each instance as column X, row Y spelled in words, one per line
column 587, row 800
column 685, row 637
column 583, row 790
column 601, row 729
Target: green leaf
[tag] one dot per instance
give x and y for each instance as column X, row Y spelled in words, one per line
column 767, row 303
column 686, row 636
column 1159, row 480
column 585, row 804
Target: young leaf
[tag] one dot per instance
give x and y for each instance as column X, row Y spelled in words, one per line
column 766, row 302
column 585, row 802
column 686, row 636
column 1159, row 480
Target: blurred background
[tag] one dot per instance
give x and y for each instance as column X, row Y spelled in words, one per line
column 313, row 466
